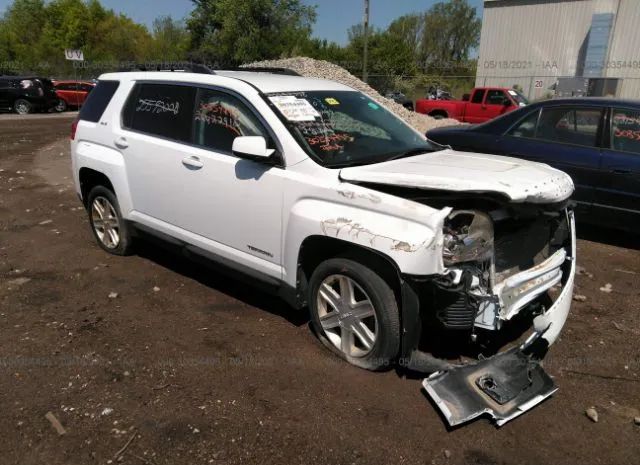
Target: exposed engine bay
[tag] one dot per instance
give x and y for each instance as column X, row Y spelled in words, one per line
column 489, row 319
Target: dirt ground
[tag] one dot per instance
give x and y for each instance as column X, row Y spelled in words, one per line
column 185, row 366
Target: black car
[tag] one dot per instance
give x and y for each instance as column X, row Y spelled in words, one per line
column 26, row 94
column 595, row 140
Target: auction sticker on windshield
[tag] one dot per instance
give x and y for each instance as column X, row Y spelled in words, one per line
column 294, row 108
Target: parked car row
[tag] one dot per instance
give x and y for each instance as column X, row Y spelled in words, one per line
column 29, row 94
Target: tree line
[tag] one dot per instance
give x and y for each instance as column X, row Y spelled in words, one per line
column 227, row 33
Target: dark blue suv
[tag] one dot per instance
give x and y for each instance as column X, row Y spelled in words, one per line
column 595, row 140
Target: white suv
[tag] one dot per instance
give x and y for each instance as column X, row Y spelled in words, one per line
column 404, row 251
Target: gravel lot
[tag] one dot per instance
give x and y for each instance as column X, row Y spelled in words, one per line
column 184, row 366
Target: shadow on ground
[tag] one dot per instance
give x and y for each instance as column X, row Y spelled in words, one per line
column 608, row 236
column 226, row 281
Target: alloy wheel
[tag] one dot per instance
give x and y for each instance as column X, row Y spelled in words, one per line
column 105, row 222
column 347, row 315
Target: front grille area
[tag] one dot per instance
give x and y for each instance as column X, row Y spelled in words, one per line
column 456, row 310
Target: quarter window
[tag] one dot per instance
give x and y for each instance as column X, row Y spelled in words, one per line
column 625, row 131
column 577, row 126
column 219, row 118
column 160, row 109
column 98, row 100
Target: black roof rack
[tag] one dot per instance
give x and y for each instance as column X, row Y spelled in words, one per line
column 258, row 69
column 172, row 67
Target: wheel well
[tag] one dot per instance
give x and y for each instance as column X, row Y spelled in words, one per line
column 442, row 113
column 91, row 178
column 316, row 249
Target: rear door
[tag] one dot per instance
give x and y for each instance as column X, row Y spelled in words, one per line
column 473, row 109
column 617, row 199
column 5, row 91
column 565, row 137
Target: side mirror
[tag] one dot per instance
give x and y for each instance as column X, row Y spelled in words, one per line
column 252, row 147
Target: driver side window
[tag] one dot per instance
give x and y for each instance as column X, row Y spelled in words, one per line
column 219, row 118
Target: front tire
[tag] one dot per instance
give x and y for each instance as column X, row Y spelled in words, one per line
column 109, row 228
column 355, row 314
column 22, row 106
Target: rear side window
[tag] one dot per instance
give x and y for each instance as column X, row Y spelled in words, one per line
column 478, row 95
column 625, row 131
column 98, row 100
column 160, row 109
column 220, row 118
column 577, row 126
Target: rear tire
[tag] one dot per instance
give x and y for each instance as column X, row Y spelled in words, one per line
column 111, row 231
column 22, row 106
column 354, row 313
column 61, row 106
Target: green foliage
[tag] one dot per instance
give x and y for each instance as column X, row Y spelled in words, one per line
column 232, row 32
column 405, row 56
column 34, row 35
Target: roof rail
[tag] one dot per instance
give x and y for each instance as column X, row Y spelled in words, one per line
column 258, row 69
column 174, row 67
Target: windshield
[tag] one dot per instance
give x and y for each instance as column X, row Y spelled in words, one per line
column 346, row 128
column 520, row 99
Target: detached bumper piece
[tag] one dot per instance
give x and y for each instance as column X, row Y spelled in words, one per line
column 503, row 386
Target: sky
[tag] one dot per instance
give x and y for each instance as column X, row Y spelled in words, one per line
column 334, row 16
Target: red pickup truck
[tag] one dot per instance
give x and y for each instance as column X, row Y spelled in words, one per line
column 483, row 104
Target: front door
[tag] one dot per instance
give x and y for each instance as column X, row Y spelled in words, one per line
column 565, row 138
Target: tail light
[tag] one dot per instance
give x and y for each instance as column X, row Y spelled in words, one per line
column 74, row 127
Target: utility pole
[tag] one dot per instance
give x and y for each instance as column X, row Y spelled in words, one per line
column 365, row 74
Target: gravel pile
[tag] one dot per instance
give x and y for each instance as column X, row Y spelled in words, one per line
column 309, row 67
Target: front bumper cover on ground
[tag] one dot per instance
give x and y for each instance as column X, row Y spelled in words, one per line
column 510, row 383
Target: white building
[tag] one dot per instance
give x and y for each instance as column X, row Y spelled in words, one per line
column 567, row 47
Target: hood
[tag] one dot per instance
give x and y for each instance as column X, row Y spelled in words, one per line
column 449, row 170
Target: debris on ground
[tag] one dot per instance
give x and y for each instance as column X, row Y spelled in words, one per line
column 113, row 295
column 18, row 282
column 583, row 272
column 45, row 222
column 106, row 411
column 592, row 414
column 636, row 421
column 320, row 69
column 55, row 423
column 447, row 453
column 607, row 288
column 619, row 270
column 579, row 297
column 156, row 289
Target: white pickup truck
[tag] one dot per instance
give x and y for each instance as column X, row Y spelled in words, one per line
column 405, row 252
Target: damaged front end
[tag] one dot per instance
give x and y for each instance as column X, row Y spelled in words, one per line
column 508, row 282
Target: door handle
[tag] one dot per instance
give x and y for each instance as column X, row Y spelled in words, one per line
column 621, row 171
column 121, row 143
column 193, row 163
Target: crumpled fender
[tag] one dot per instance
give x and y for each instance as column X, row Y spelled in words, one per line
column 408, row 233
